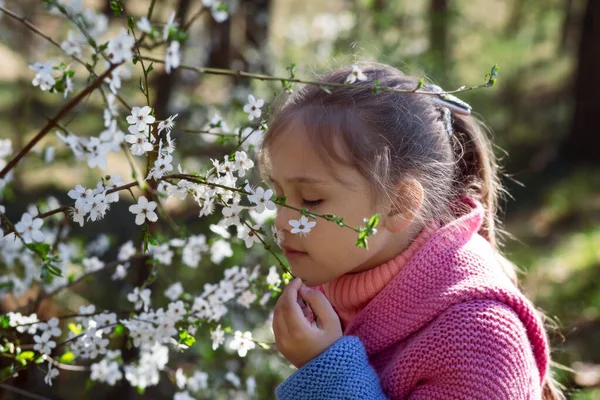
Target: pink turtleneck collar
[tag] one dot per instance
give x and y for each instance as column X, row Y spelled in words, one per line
column 350, row 293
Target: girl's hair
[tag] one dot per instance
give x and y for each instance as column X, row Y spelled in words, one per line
column 391, row 136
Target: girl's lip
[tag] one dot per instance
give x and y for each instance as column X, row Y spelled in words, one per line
column 294, row 254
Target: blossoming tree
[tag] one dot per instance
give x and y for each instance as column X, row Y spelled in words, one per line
column 148, row 335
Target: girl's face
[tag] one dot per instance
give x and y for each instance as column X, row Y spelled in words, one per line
column 328, row 251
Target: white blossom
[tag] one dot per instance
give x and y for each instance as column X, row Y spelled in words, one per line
column 120, row 273
column 219, row 250
column 218, row 337
column 51, row 326
column 180, row 378
column 192, row 252
column 219, row 11
column 140, row 117
column 126, row 251
column 248, row 235
column 355, row 74
column 92, row 264
column 220, row 230
column 265, row 299
column 96, row 152
column 162, row 165
column 174, row 291
column 232, row 214
column 70, row 46
column 167, row 124
column 52, row 374
column 107, row 370
column 242, row 342
column 253, row 107
column 143, row 210
column 278, row 235
column 251, row 386
column 83, row 198
column 144, row 25
column 246, row 299
column 172, row 58
column 183, row 396
column 242, row 163
column 273, row 277
column 43, row 344
column 198, row 381
column 139, row 143
column 120, row 48
column 262, row 199
column 233, row 378
column 302, row 226
column 43, row 75
column 99, row 207
column 170, row 24
column 29, row 228
column 141, row 299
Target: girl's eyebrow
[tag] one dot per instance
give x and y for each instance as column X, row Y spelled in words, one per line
column 300, row 179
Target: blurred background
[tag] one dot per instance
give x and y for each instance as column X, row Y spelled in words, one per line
column 543, row 116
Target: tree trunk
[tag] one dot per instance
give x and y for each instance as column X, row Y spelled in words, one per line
column 515, row 20
column 439, row 38
column 582, row 145
column 567, row 26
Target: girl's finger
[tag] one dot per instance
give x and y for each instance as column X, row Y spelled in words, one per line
column 323, row 310
column 279, row 327
column 290, row 309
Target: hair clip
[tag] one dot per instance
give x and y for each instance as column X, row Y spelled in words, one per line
column 447, row 118
column 447, row 100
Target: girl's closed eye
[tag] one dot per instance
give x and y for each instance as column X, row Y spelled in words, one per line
column 311, row 203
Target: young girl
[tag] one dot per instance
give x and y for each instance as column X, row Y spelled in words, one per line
column 430, row 310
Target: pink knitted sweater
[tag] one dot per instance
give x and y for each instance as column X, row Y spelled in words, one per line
column 449, row 324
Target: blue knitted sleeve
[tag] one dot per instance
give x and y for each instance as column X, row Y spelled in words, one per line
column 340, row 372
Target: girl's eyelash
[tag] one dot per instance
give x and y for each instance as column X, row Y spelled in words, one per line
column 311, row 203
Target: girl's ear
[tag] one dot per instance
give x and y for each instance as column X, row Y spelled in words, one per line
column 408, row 201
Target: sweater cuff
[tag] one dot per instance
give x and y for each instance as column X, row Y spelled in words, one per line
column 340, row 372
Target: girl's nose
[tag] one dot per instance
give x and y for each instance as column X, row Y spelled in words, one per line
column 284, row 214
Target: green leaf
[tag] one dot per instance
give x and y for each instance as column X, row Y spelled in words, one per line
column 130, row 22
column 264, row 345
column 119, row 329
column 186, row 338
column 4, row 321
column 76, row 329
column 150, row 68
column 67, row 358
column 420, row 84
column 24, row 356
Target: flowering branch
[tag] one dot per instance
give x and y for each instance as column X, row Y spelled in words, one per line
column 326, row 86
column 76, row 100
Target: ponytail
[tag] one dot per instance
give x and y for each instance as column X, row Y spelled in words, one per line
column 476, row 175
column 476, row 171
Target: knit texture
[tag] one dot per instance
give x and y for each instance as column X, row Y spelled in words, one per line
column 449, row 325
column 350, row 293
column 341, row 372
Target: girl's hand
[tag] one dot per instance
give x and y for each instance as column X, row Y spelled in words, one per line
column 298, row 339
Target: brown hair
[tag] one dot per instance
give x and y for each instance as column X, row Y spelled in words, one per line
column 390, row 136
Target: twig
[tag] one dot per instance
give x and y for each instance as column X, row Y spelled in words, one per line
column 262, row 77
column 187, row 25
column 23, row 392
column 48, row 38
column 50, row 124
